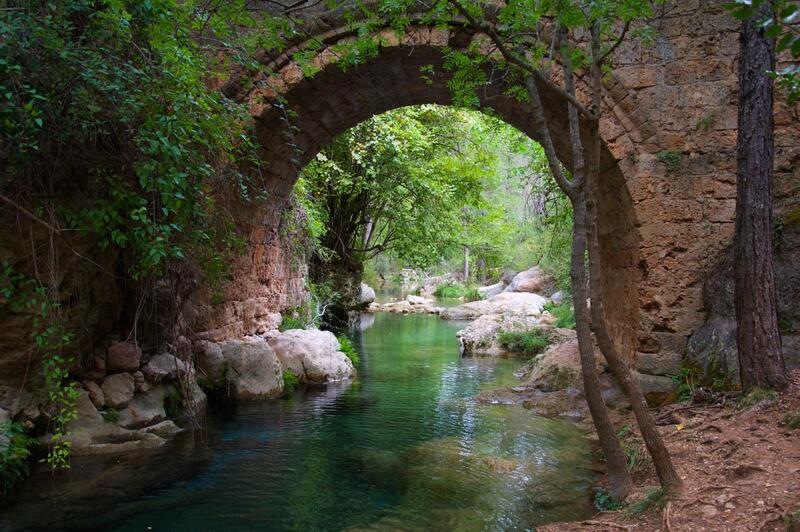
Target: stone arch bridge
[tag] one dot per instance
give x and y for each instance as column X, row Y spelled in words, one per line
column 668, row 168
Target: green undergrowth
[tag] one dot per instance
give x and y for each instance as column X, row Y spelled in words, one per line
column 454, row 289
column 528, row 343
column 756, row 396
column 346, row 346
column 654, row 500
column 173, row 403
column 605, row 502
column 111, row 415
column 691, row 376
column 564, row 313
column 791, row 420
column 636, row 456
column 15, row 446
column 290, row 381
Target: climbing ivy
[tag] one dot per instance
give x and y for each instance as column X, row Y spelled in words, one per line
column 50, row 338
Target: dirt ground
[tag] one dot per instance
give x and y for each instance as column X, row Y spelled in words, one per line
column 740, row 464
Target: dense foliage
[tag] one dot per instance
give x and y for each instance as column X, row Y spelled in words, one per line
column 422, row 185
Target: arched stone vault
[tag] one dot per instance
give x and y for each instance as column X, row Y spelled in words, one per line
column 660, row 228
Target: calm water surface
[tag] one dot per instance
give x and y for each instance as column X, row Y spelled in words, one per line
column 402, row 447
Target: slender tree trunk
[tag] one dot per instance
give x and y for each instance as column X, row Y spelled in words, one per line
column 757, row 337
column 466, row 264
column 665, row 470
column 618, row 475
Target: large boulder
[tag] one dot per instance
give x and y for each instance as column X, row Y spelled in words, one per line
column 123, row 356
column 559, row 368
column 534, row 280
column 95, row 393
column 90, row 434
column 248, row 367
column 118, row 389
column 367, row 295
column 481, row 336
column 165, row 367
column 146, row 408
column 312, row 355
column 492, row 290
column 507, row 302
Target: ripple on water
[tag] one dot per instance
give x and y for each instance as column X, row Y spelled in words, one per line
column 405, row 446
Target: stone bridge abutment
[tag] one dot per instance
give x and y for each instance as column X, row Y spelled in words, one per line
column 668, row 182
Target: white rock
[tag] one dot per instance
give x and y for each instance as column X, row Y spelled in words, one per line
column 367, row 294
column 418, row 300
column 507, row 302
column 248, row 365
column 492, row 290
column 534, row 280
column 313, row 356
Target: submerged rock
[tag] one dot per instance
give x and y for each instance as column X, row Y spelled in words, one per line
column 312, row 355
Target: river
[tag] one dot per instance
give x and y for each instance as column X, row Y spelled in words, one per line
column 404, row 446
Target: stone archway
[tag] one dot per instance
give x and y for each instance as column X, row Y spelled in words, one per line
column 662, row 225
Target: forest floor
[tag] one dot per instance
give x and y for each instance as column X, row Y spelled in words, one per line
column 740, row 461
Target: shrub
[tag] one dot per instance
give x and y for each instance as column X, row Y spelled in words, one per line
column 654, row 500
column 111, row 415
column 472, row 294
column 671, row 159
column 791, row 420
column 14, row 453
column 636, row 456
column 564, row 313
column 449, row 290
column 531, row 342
column 349, row 350
column 755, row 396
column 290, row 381
column 604, row 501
column 173, row 403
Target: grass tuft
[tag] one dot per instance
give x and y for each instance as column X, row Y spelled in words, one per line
column 529, row 343
column 756, row 396
column 654, row 500
column 564, row 313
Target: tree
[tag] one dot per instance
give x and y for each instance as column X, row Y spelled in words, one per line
column 526, row 55
column 757, row 337
column 400, row 183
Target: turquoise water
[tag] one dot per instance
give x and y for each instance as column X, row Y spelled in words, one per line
column 402, row 447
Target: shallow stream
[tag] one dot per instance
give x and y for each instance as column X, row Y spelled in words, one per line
column 404, row 446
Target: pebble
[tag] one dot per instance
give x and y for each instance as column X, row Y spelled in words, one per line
column 708, row 510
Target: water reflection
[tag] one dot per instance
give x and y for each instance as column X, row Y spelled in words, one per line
column 404, row 446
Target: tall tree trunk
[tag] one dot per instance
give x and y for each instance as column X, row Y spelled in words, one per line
column 667, row 475
column 618, row 475
column 466, row 264
column 757, row 337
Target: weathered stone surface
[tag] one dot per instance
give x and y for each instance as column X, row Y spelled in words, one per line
column 123, row 356
column 661, row 363
column 118, row 389
column 558, row 297
column 418, row 300
column 165, row 367
column 138, row 378
column 91, row 434
column 507, row 302
column 492, row 290
column 559, row 368
column 164, row 429
column 95, row 393
column 146, row 408
column 656, row 389
column 249, row 366
column 312, row 355
column 367, row 294
column 533, row 280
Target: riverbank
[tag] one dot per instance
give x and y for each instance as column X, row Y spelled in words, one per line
column 740, row 461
